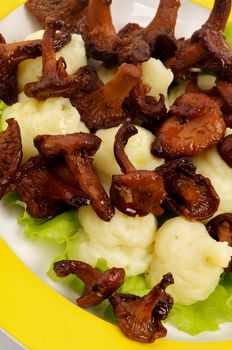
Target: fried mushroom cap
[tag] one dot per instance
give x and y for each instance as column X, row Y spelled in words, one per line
column 188, row 194
column 220, row 228
column 77, row 150
column 224, row 94
column 10, row 154
column 140, row 317
column 55, row 81
column 147, row 109
column 10, row 57
column 218, row 53
column 207, row 47
column 103, row 108
column 195, row 124
column 225, row 149
column 98, row 286
column 43, row 192
column 68, row 11
column 136, row 192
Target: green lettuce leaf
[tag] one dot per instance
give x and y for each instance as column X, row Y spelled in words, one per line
column 71, row 281
column 2, row 107
column 57, row 230
column 228, row 33
column 205, row 315
column 135, row 285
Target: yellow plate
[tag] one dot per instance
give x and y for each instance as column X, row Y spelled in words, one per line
column 41, row 319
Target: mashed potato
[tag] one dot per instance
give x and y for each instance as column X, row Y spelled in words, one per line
column 73, row 53
column 53, row 116
column 157, row 77
column 137, row 149
column 124, row 241
column 194, row 258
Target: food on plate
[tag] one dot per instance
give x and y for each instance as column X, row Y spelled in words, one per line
column 77, row 150
column 123, row 161
column 55, row 80
column 118, row 241
column 195, row 124
column 53, row 116
column 43, row 191
column 197, row 252
column 207, row 47
column 135, row 192
column 188, row 194
column 98, row 286
column 30, row 70
column 140, row 317
column 102, row 107
column 14, row 53
column 10, row 155
column 220, row 229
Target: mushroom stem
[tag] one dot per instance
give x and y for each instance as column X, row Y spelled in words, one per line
column 100, row 20
column 124, row 133
column 164, row 21
column 48, row 56
column 219, row 14
column 118, row 88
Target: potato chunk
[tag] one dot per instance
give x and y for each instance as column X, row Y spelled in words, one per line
column 195, row 259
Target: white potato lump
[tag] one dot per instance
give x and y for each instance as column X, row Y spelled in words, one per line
column 73, row 53
column 195, row 259
column 211, row 165
column 157, row 77
column 124, row 241
column 52, row 116
column 137, row 150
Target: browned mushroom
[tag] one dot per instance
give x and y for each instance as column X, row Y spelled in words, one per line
column 159, row 35
column 140, row 317
column 223, row 93
column 55, row 80
column 220, row 228
column 43, row 192
column 225, row 149
column 188, row 194
column 10, row 57
column 99, row 34
column 202, row 50
column 77, row 150
column 103, row 108
column 68, row 11
column 195, row 124
column 219, row 14
column 218, row 53
column 136, row 192
column 10, row 154
column 98, row 286
column 133, row 44
column 148, row 110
